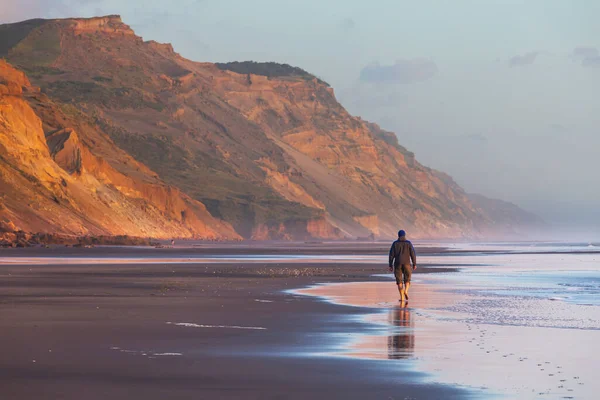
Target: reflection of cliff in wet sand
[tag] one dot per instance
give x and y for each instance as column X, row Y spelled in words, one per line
column 401, row 343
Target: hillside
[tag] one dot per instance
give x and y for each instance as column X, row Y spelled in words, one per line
column 51, row 180
column 508, row 218
column 262, row 149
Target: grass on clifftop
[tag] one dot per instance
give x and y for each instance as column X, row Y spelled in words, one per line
column 40, row 48
column 268, row 69
column 12, row 34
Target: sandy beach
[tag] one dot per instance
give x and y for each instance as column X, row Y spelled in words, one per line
column 180, row 331
column 190, row 322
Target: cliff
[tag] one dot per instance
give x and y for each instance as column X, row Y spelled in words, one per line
column 52, row 182
column 265, row 147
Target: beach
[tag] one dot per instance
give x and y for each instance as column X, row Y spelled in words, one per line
column 302, row 320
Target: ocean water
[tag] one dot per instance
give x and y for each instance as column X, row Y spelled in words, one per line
column 518, row 272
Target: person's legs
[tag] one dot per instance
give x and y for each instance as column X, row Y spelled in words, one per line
column 407, row 274
column 399, row 282
column 401, row 291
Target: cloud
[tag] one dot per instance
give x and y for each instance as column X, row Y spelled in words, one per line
column 587, row 56
column 522, row 60
column 593, row 62
column 585, row 52
column 14, row 11
column 20, row 10
column 403, row 71
column 348, row 24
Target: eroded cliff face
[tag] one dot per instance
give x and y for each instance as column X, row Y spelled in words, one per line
column 111, row 25
column 358, row 163
column 55, row 184
column 272, row 153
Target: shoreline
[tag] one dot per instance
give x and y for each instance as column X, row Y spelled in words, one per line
column 455, row 349
column 179, row 331
column 243, row 328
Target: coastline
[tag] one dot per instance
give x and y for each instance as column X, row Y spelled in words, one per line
column 161, row 330
column 440, row 336
column 294, row 321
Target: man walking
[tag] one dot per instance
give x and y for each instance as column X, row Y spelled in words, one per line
column 401, row 254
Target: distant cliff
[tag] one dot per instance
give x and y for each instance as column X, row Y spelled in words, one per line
column 159, row 145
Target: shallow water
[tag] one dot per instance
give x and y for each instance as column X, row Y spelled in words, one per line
column 522, row 323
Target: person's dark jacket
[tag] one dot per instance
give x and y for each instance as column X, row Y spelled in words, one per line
column 402, row 252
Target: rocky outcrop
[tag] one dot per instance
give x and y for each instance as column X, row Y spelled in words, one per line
column 371, row 222
column 284, row 186
column 299, row 230
column 26, row 239
column 66, row 150
column 111, row 25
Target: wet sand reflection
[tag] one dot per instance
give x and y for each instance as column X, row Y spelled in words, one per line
column 401, row 344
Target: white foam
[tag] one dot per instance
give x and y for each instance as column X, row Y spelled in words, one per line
column 192, row 325
column 262, row 301
column 149, row 354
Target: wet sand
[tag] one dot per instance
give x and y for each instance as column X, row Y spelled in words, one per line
column 189, row 330
column 510, row 361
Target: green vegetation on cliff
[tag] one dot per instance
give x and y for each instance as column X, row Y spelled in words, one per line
column 268, row 69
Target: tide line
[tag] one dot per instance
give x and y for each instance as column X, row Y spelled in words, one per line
column 192, row 325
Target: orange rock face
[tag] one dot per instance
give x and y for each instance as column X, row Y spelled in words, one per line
column 111, row 25
column 55, row 184
column 127, row 136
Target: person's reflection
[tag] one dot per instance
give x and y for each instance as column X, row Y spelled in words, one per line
column 402, row 343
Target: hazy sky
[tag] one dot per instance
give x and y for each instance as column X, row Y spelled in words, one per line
column 501, row 94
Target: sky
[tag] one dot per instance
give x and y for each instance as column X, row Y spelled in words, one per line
column 500, row 94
